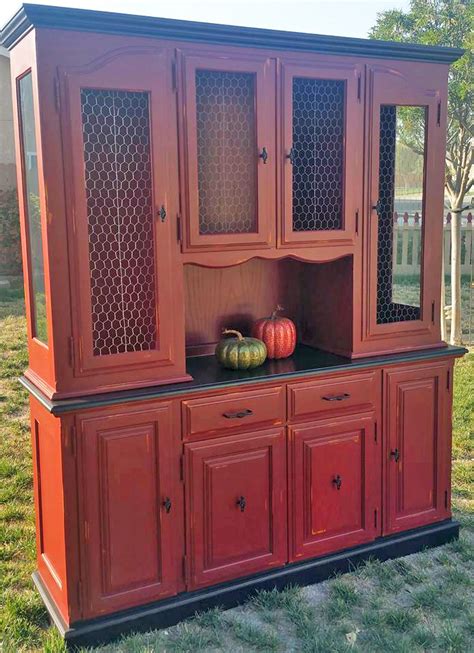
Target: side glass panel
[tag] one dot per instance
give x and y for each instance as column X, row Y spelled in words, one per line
column 318, row 154
column 119, row 193
column 32, row 208
column 400, row 212
column 226, row 152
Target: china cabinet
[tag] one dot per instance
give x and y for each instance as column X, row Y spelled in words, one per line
column 177, row 179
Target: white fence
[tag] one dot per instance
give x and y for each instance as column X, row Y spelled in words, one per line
column 406, row 243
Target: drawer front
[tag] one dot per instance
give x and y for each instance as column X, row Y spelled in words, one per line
column 330, row 394
column 208, row 416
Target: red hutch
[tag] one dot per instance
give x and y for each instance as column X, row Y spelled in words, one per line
column 177, row 178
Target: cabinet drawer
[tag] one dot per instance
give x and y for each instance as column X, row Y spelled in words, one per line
column 333, row 394
column 229, row 412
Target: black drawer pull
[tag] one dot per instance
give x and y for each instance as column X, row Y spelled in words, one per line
column 337, row 481
column 239, row 414
column 345, row 395
column 167, row 504
column 241, row 502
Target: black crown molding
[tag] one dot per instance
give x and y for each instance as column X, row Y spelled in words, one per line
column 43, row 16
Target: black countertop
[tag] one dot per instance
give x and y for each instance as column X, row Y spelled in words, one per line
column 208, row 374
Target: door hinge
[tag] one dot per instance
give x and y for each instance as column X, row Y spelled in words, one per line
column 71, row 350
column 179, row 232
column 375, row 431
column 438, row 117
column 72, row 440
column 174, row 84
column 357, row 221
column 448, row 380
column 86, row 530
column 359, row 83
column 57, row 95
column 445, row 498
column 433, row 312
column 375, row 518
column 181, row 468
column 184, row 567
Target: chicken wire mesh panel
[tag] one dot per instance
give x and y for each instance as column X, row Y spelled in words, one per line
column 388, row 311
column 118, row 176
column 226, row 152
column 318, row 154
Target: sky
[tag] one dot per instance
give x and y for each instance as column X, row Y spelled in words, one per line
column 336, row 17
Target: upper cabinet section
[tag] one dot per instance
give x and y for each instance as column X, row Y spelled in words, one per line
column 322, row 151
column 229, row 151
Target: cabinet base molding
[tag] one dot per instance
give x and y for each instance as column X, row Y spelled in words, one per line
column 168, row 612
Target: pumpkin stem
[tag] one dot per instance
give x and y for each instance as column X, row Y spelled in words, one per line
column 277, row 310
column 234, row 332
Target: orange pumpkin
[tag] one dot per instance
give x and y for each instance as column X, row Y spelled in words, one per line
column 278, row 334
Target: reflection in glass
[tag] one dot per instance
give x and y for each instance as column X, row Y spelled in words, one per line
column 400, row 213
column 32, row 209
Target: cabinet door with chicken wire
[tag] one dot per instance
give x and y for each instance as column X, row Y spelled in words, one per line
column 229, row 121
column 322, row 157
column 121, row 175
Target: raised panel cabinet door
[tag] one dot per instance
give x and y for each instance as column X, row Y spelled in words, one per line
column 418, row 450
column 120, row 142
column 131, row 501
column 322, row 151
column 235, row 506
column 334, row 480
column 405, row 206
column 228, row 121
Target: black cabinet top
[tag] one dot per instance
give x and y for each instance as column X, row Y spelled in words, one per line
column 30, row 16
column 209, row 375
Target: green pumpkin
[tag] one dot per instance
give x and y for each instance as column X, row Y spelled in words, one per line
column 240, row 354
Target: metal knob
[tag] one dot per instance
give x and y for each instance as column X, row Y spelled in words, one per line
column 337, row 481
column 395, row 454
column 241, row 502
column 167, row 504
column 264, row 154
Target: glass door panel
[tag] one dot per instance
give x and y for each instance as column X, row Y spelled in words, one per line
column 401, row 193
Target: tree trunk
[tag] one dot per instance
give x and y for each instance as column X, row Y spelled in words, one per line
column 456, row 331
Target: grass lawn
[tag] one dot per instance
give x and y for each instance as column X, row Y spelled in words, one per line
column 419, row 603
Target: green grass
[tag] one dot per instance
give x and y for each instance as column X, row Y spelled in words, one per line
column 414, row 604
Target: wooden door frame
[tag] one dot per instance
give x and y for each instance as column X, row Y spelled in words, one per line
column 352, row 76
column 399, row 88
column 263, row 66
column 442, row 372
column 120, row 63
column 167, row 461
column 358, row 420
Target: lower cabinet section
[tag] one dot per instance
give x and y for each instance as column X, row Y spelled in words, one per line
column 334, row 480
column 132, row 507
column 418, row 450
column 235, row 506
